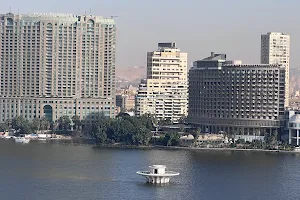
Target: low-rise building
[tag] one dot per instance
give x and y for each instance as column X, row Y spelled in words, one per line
column 54, row 108
column 294, row 130
column 292, row 127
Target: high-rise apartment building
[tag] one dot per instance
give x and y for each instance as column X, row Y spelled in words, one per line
column 164, row 92
column 56, row 64
column 236, row 98
column 275, row 49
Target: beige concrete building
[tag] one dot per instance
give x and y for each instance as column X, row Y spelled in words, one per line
column 164, row 92
column 125, row 102
column 245, row 100
column 56, row 64
column 275, row 49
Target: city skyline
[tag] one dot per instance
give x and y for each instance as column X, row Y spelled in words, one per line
column 178, row 20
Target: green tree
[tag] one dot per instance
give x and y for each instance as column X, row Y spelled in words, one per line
column 45, row 123
column 171, row 139
column 54, row 125
column 240, row 141
column 271, row 139
column 196, row 134
column 26, row 128
column 256, row 143
column 64, row 122
column 99, row 130
column 165, row 122
column 123, row 129
column 22, row 125
column 77, row 122
column 182, row 119
column 36, row 124
column 141, row 136
column 148, row 121
column 234, row 133
column 4, row 127
column 153, row 119
column 123, row 114
column 17, row 122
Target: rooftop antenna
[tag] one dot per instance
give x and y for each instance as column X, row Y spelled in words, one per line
column 10, row 9
column 90, row 11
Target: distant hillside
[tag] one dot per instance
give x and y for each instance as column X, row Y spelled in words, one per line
column 131, row 74
column 294, row 79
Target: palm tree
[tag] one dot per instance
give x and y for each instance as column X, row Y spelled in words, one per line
column 256, row 133
column 234, row 133
column 77, row 122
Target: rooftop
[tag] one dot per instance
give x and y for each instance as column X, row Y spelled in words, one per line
column 214, row 56
column 157, row 166
column 253, row 65
column 295, row 119
column 169, row 45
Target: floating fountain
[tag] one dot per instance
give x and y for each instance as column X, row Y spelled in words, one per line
column 157, row 174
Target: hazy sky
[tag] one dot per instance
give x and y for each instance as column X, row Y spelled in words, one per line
column 197, row 26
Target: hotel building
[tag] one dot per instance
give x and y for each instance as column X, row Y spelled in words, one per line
column 236, row 98
column 56, row 64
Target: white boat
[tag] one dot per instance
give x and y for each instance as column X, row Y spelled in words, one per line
column 9, row 137
column 32, row 136
column 157, row 174
column 22, row 140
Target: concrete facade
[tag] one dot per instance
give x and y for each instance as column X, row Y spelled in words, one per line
column 294, row 130
column 64, row 61
column 164, row 92
column 236, row 99
column 275, row 49
column 125, row 102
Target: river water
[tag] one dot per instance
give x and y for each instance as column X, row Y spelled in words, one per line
column 72, row 172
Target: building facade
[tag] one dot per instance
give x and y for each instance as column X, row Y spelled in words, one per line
column 56, row 64
column 125, row 102
column 294, row 130
column 236, row 99
column 275, row 49
column 164, row 92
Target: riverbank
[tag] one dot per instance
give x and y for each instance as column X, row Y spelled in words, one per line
column 158, row 147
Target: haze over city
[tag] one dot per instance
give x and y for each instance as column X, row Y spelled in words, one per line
column 197, row 26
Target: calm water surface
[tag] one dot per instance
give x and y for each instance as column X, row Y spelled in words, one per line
column 73, row 172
